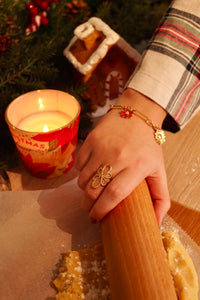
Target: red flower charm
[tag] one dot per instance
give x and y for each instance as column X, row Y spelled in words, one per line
column 126, row 113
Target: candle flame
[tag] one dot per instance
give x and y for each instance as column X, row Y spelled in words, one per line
column 45, row 128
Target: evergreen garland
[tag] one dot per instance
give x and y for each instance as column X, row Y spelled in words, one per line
column 36, row 61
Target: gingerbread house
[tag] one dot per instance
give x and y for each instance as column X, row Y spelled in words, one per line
column 103, row 60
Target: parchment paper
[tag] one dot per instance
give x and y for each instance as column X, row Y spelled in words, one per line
column 36, row 230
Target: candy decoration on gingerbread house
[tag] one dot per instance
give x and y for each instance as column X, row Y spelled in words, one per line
column 103, row 60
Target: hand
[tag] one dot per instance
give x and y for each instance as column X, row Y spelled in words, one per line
column 128, row 145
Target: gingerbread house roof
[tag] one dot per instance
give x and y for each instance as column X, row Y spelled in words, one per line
column 84, row 32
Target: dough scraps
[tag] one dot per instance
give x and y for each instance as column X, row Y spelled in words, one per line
column 83, row 273
column 181, row 267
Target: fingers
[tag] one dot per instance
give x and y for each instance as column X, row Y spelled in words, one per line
column 83, row 156
column 96, row 184
column 161, row 207
column 87, row 172
column 98, row 202
column 116, row 191
column 160, row 195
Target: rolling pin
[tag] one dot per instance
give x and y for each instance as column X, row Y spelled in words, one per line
column 136, row 261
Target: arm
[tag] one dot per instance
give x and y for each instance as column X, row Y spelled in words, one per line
column 169, row 70
column 166, row 81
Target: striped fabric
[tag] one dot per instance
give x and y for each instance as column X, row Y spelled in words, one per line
column 174, row 53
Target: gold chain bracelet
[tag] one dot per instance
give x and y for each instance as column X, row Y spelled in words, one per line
column 127, row 112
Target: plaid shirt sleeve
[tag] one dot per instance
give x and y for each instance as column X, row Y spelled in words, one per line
column 169, row 71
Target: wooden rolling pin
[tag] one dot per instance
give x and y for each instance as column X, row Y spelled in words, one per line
column 134, row 252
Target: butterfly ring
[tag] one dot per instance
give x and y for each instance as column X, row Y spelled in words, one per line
column 102, row 177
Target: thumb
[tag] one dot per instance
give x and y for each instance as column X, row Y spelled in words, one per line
column 160, row 196
column 161, row 208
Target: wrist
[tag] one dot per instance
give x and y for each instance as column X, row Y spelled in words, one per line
column 143, row 104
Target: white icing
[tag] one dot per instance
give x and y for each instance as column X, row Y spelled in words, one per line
column 83, row 30
column 111, row 38
column 102, row 110
column 119, row 77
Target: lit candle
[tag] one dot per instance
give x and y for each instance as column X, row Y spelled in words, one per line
column 44, row 126
column 44, row 121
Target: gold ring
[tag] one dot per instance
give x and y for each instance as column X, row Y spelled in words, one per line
column 102, row 177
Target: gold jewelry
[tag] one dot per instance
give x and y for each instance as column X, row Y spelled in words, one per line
column 127, row 112
column 102, row 177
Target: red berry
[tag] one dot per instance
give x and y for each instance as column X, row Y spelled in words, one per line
column 44, row 5
column 33, row 11
column 44, row 20
column 29, row 6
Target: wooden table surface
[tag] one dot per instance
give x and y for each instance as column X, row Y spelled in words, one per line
column 182, row 160
column 44, row 216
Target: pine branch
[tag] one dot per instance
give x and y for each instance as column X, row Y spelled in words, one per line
column 36, row 61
